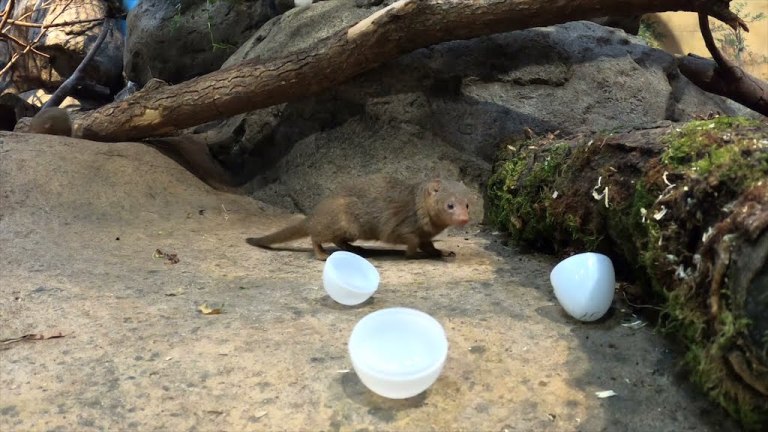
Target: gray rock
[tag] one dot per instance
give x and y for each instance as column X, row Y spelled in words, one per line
column 159, row 27
column 298, row 29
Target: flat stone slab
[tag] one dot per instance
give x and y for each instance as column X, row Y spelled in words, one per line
column 80, row 224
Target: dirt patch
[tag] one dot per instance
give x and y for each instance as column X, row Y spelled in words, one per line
column 80, row 224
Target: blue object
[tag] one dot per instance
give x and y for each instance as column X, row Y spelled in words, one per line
column 122, row 25
column 128, row 5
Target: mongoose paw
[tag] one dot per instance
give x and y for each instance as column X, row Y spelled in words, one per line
column 448, row 254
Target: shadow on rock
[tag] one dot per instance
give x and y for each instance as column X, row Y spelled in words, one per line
column 382, row 408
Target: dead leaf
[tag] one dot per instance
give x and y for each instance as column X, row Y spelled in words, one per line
column 170, row 258
column 208, row 310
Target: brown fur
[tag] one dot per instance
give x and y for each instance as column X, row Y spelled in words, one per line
column 381, row 208
column 51, row 121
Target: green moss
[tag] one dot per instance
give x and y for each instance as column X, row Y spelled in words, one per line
column 688, row 140
column 706, row 361
column 634, row 231
column 520, row 190
column 575, row 229
column 704, row 148
column 707, row 346
column 709, row 150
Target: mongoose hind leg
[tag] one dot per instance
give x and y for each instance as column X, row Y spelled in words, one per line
column 320, row 253
column 429, row 248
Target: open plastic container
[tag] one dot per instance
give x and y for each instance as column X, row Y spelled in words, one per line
column 398, row 352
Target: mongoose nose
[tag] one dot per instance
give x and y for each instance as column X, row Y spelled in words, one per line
column 462, row 220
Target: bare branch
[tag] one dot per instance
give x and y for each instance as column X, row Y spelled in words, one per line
column 61, row 24
column 722, row 76
column 709, row 42
column 6, row 13
column 22, row 44
column 31, row 46
column 67, row 86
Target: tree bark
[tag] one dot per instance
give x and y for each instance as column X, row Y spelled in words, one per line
column 682, row 211
column 397, row 29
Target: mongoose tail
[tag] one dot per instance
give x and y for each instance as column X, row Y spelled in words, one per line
column 289, row 233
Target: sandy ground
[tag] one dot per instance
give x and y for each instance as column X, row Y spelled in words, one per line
column 80, row 223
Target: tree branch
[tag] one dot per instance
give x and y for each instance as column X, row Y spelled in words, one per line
column 722, row 76
column 31, row 45
column 397, row 29
column 58, row 96
column 6, row 14
column 61, row 24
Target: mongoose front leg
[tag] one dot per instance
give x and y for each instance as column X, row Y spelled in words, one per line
column 320, row 253
column 429, row 248
column 412, row 252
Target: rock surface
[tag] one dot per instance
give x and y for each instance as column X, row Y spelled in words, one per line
column 80, row 222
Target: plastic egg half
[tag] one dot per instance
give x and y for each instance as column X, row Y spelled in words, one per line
column 584, row 285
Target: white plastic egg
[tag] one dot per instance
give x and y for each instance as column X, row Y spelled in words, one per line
column 584, row 285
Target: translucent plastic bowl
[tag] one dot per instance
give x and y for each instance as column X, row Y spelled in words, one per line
column 584, row 285
column 398, row 352
column 348, row 278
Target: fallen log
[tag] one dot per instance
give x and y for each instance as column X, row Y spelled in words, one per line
column 683, row 211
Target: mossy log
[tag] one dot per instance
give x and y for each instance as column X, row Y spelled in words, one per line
column 683, row 211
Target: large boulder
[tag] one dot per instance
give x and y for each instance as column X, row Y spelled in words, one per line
column 447, row 109
column 201, row 34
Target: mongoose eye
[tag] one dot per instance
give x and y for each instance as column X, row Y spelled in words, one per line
column 467, row 206
column 450, row 206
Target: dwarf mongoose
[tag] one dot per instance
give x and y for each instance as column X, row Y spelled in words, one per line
column 381, row 208
column 51, row 121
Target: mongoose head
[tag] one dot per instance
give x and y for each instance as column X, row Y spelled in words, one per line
column 448, row 202
column 52, row 121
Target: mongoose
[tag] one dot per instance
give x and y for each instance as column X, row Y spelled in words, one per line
column 381, row 208
column 51, row 121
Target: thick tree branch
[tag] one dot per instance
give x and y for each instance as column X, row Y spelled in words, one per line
column 400, row 28
column 723, row 77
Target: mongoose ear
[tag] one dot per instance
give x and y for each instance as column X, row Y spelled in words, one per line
column 434, row 186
